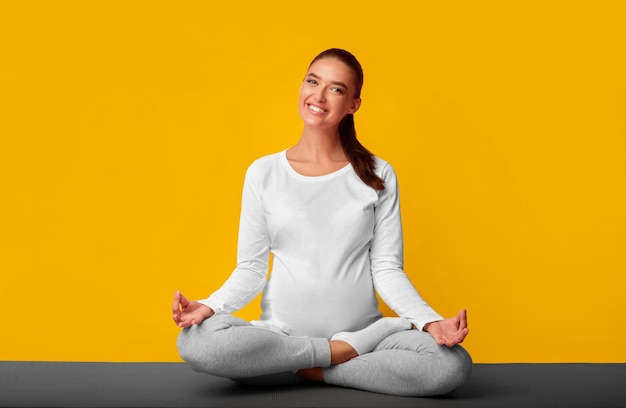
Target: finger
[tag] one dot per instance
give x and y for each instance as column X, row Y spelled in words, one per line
column 451, row 342
column 183, row 323
column 458, row 338
column 175, row 305
column 180, row 322
column 183, row 301
column 452, row 337
column 463, row 319
column 178, row 317
column 463, row 335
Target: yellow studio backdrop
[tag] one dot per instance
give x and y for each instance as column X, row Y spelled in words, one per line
column 126, row 129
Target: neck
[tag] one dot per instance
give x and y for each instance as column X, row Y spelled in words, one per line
column 317, row 145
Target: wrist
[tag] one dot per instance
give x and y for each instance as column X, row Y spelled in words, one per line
column 428, row 325
column 208, row 311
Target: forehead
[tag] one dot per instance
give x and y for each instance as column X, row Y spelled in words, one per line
column 332, row 69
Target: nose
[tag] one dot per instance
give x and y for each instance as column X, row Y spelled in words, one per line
column 320, row 94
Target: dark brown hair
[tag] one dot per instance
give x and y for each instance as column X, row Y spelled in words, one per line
column 362, row 160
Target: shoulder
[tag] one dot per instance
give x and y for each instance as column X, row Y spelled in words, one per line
column 260, row 171
column 265, row 164
column 384, row 169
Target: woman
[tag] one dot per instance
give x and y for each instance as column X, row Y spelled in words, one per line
column 329, row 212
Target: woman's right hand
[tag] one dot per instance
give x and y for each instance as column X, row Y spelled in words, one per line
column 189, row 312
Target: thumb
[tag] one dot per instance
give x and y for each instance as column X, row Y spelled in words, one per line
column 184, row 302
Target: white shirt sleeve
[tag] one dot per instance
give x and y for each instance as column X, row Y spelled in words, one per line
column 249, row 276
column 387, row 257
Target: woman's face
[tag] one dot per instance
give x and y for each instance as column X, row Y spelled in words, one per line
column 327, row 93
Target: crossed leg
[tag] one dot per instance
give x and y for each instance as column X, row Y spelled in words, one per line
column 407, row 362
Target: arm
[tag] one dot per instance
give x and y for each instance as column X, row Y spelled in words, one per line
column 249, row 277
column 387, row 257
column 387, row 262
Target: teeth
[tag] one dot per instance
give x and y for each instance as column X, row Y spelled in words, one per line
column 316, row 109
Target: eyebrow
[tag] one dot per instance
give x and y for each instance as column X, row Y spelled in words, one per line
column 333, row 82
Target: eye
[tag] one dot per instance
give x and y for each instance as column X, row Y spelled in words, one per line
column 337, row 90
column 311, row 81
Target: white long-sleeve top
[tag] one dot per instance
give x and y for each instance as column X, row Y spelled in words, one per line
column 335, row 242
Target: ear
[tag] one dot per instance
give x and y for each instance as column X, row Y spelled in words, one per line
column 355, row 105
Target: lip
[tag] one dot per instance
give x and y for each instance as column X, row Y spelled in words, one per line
column 316, row 109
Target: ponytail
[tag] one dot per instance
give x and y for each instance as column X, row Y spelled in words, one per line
column 362, row 160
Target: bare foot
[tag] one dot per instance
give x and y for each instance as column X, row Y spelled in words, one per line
column 340, row 352
column 311, row 374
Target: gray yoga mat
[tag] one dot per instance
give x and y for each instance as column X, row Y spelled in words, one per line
column 44, row 384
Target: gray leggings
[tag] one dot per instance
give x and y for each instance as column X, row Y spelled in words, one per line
column 407, row 363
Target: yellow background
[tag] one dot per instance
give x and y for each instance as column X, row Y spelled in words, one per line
column 126, row 129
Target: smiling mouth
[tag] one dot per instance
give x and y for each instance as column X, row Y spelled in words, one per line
column 316, row 109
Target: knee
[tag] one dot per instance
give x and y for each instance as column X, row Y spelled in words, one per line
column 448, row 369
column 188, row 343
column 192, row 347
column 456, row 369
column 200, row 345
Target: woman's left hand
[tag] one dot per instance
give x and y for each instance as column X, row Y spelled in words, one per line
column 449, row 332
